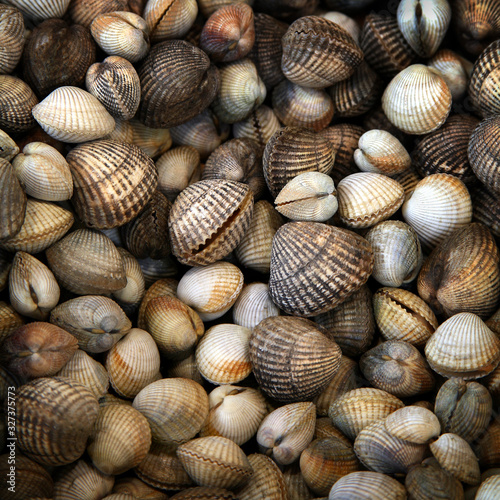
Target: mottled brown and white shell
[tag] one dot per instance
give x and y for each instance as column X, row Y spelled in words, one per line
column 14, row 201
column 414, row 424
column 253, row 305
column 368, row 485
column 10, row 320
column 12, row 38
column 259, row 126
column 8, row 148
column 17, row 101
column 454, row 69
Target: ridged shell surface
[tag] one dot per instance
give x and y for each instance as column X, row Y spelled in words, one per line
column 259, row 126
column 368, row 485
column 39, row 11
column 454, row 70
column 12, row 38
column 414, row 424
column 253, row 305
column 14, row 201
column 17, row 101
column 329, row 262
column 8, row 147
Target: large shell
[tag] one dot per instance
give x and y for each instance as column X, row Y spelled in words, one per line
column 414, row 424
column 12, row 38
column 14, row 201
column 417, row 100
column 367, row 485
column 17, row 101
column 463, row 346
column 331, row 263
column 292, row 359
column 318, row 52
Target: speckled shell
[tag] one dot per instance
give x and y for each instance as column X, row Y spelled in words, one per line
column 253, row 305
column 331, row 263
column 176, row 409
column 318, row 52
column 17, row 101
column 259, row 126
column 208, row 220
column 12, row 38
column 97, row 322
column 439, row 205
column 417, row 100
column 292, row 359
column 169, row 67
column 44, row 224
column 368, row 485
column 215, row 461
column 14, row 200
column 366, row 198
column 462, row 274
column 463, row 346
column 50, row 436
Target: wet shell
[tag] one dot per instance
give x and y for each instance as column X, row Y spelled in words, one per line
column 11, row 38
column 116, row 84
column 113, row 182
column 50, row 436
column 310, row 196
column 176, row 409
column 87, row 262
column 97, row 322
column 331, row 263
column 424, row 24
column 417, row 100
column 14, row 201
column 463, row 346
column 439, row 205
column 229, row 33
column 462, row 274
column 235, row 413
column 17, row 101
column 367, row 485
column 33, row 289
column 57, row 54
column 454, row 70
column 292, row 359
column 253, row 305
column 38, row 12
column 287, row 431
column 43, row 172
column 123, row 34
column 398, row 256
column 366, row 198
column 167, row 19
column 177, row 83
column 44, row 224
column 222, row 355
column 318, row 52
column 414, row 424
column 259, row 126
column 133, row 363
column 107, row 449
column 208, row 220
column 215, row 461
column 356, row 409
column 402, row 315
column 8, row 148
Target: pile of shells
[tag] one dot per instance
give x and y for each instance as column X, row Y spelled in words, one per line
column 250, row 249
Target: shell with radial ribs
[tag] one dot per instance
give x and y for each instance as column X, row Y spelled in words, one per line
column 17, row 101
column 454, row 69
column 414, row 424
column 253, row 305
column 369, row 485
column 14, row 201
column 11, row 37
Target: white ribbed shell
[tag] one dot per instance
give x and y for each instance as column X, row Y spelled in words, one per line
column 253, row 305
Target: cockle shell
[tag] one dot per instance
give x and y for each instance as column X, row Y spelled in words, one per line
column 47, row 10
column 70, row 114
column 414, row 424
column 129, row 297
column 137, row 488
column 367, row 485
column 13, row 208
column 205, row 493
column 10, row 320
column 8, row 148
column 253, row 305
column 259, row 126
column 161, row 287
column 12, row 38
column 17, row 101
column 296, row 486
column 348, row 23
column 454, row 70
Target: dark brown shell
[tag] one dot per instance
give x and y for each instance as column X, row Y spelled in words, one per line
column 444, row 151
column 292, row 151
column 113, row 182
column 486, row 209
column 292, row 359
column 238, row 160
column 13, row 206
column 208, row 220
column 177, row 82
column 318, row 52
column 315, row 267
column 16, row 102
column 462, row 274
column 384, row 46
column 57, row 54
column 11, row 37
column 204, row 493
column 147, row 234
column 54, row 418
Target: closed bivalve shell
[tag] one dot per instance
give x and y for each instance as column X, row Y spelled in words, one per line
column 367, row 485
column 253, row 305
column 489, row 488
column 14, row 201
column 205, row 493
column 414, row 424
column 17, row 102
column 12, row 38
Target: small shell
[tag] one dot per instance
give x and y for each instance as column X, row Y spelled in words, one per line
column 253, row 305
column 17, row 101
column 310, row 196
column 367, row 485
column 166, row 287
column 129, row 297
column 414, row 424
column 10, row 320
column 167, row 19
column 287, row 431
column 8, row 148
column 205, row 493
column 12, row 38
column 417, row 100
column 14, row 201
column 259, row 126
column 453, row 69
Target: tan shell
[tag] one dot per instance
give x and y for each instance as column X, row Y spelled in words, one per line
column 14, row 200
column 70, row 114
column 366, row 198
column 17, row 101
column 38, row 12
column 162, row 287
column 297, row 487
column 287, row 431
column 12, row 38
column 176, row 409
column 463, row 346
column 259, row 126
column 414, row 424
column 133, row 363
column 8, row 148
column 417, row 100
column 368, row 485
column 97, row 322
column 130, row 296
column 185, row 368
column 253, row 305
column 10, row 320
column 454, row 70
column 212, row 290
column 137, row 488
column 348, row 23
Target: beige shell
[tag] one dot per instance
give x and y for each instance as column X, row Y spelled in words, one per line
column 489, row 488
column 133, row 363
column 222, row 354
column 417, row 100
column 414, row 424
column 33, row 289
column 8, row 148
column 43, row 172
column 14, row 200
column 129, row 297
column 439, row 204
column 185, row 368
column 297, row 487
column 212, row 290
column 463, row 346
column 287, row 431
column 137, row 488
column 259, row 126
column 10, row 320
column 235, row 413
column 366, row 198
column 348, row 23
column 253, row 305
column 309, row 196
column 368, row 485
column 107, row 449
column 70, row 114
column 12, row 38
column 454, row 70
column 46, row 10
column 161, row 287
column 176, row 409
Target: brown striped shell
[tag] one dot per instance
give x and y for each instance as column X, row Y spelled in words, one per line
column 14, row 201
column 369, row 485
column 259, row 126
column 85, row 11
column 16, row 103
column 12, row 38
